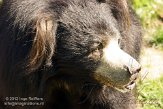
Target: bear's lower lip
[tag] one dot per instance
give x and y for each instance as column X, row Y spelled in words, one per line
column 126, row 88
column 131, row 85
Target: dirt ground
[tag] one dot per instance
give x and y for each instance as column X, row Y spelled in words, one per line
column 152, row 63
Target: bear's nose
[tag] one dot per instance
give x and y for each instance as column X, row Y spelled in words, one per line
column 133, row 69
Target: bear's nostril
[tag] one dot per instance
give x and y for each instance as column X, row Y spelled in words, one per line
column 132, row 70
column 136, row 70
column 139, row 69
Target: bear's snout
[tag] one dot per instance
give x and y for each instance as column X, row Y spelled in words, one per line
column 116, row 57
column 118, row 68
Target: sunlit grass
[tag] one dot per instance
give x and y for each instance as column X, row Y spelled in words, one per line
column 151, row 94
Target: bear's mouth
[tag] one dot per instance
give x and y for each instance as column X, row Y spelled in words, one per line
column 126, row 88
column 123, row 85
column 131, row 85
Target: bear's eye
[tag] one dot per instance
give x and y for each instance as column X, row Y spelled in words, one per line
column 95, row 55
column 96, row 46
column 96, row 52
column 100, row 46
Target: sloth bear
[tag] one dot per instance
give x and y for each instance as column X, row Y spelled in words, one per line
column 68, row 54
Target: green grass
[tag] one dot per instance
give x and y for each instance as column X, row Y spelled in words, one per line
column 151, row 94
column 157, row 39
column 151, row 14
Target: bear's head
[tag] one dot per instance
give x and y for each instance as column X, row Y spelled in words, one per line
column 87, row 42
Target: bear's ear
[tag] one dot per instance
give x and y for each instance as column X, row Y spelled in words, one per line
column 44, row 42
column 120, row 11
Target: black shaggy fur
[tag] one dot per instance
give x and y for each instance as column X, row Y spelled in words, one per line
column 45, row 47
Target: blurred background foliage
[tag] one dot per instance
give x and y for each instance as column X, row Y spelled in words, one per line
column 150, row 88
column 151, row 14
